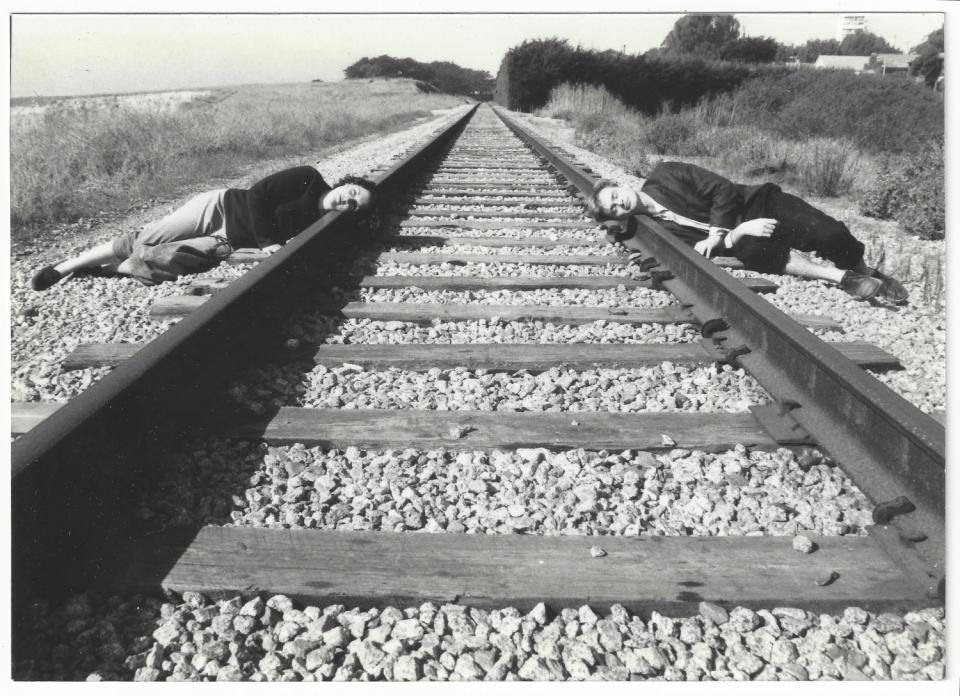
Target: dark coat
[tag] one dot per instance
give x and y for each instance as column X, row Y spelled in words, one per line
column 698, row 194
column 275, row 208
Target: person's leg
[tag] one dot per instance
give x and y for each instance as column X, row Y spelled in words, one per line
column 805, row 228
column 100, row 255
column 774, row 256
column 800, row 265
column 808, row 229
column 201, row 215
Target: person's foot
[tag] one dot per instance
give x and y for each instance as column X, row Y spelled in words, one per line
column 861, row 286
column 892, row 289
column 45, row 278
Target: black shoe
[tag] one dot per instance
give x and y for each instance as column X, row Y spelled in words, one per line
column 860, row 286
column 46, row 277
column 892, row 289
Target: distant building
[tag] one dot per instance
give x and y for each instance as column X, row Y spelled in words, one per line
column 877, row 63
column 850, row 24
column 856, row 63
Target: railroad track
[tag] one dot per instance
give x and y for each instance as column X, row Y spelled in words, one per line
column 491, row 193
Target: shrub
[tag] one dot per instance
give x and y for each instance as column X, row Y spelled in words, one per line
column 619, row 139
column 568, row 100
column 826, row 167
column 747, row 151
column 670, row 133
column 530, row 71
column 877, row 114
column 910, row 190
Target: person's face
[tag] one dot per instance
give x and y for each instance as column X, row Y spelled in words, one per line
column 617, row 202
column 347, row 197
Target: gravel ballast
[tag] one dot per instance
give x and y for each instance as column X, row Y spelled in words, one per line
column 667, row 387
column 190, row 638
column 530, row 491
column 523, row 491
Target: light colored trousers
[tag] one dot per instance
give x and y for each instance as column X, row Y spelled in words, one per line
column 201, row 216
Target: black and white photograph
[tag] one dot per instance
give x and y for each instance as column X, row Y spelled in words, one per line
column 522, row 342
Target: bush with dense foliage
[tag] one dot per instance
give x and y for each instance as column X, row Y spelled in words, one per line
column 445, row 76
column 910, row 190
column 531, row 70
column 877, row 114
column 929, row 60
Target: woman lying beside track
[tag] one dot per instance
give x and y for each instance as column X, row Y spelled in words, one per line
column 207, row 228
column 761, row 225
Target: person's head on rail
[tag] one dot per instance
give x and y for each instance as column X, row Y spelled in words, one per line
column 610, row 201
column 352, row 193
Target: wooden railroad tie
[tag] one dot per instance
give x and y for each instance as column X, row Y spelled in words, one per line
column 243, row 256
column 426, row 313
column 490, row 356
column 520, row 213
column 668, row 574
column 527, row 203
column 473, row 430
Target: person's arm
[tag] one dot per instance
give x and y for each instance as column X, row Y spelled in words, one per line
column 723, row 195
column 758, row 227
column 265, row 196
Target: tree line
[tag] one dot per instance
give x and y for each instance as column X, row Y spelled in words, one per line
column 702, row 56
column 443, row 75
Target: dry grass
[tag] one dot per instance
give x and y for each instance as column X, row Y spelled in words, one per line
column 76, row 158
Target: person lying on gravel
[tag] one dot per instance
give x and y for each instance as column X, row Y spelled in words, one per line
column 207, row 228
column 762, row 226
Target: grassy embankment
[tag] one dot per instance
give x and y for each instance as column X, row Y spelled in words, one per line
column 844, row 173
column 73, row 158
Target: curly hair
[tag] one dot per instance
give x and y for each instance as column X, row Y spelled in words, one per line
column 371, row 186
column 593, row 204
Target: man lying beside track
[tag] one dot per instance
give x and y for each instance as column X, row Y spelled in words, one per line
column 761, row 225
column 207, row 228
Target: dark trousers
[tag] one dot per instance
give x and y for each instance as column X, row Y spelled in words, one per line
column 801, row 227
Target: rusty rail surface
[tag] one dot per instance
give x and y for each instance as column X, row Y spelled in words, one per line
column 885, row 444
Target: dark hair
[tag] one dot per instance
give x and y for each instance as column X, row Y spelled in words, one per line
column 593, row 204
column 371, row 186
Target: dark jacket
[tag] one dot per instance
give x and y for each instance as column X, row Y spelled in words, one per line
column 698, row 194
column 275, row 208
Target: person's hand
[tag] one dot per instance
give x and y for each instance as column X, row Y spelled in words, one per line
column 705, row 247
column 760, row 227
column 272, row 249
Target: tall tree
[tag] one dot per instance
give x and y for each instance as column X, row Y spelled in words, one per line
column 701, row 35
column 929, row 62
column 863, row 43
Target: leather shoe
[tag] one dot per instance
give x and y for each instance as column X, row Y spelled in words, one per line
column 861, row 286
column 892, row 289
column 46, row 277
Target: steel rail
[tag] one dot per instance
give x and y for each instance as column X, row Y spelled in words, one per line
column 885, row 444
column 75, row 476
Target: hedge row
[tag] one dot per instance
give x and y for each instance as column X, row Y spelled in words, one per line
column 529, row 72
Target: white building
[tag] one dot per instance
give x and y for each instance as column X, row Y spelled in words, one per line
column 850, row 24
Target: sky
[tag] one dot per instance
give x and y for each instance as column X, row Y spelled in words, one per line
column 56, row 54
